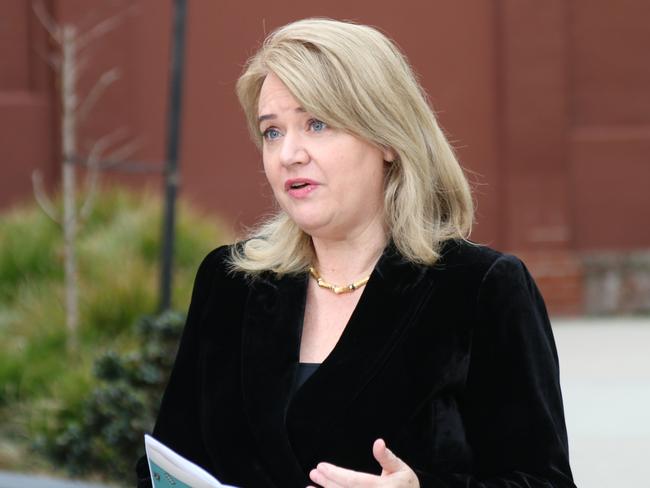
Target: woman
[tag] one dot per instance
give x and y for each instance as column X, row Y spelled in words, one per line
column 359, row 316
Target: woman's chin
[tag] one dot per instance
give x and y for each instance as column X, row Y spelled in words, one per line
column 310, row 223
column 310, row 227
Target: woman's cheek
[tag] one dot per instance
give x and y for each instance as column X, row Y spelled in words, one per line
column 271, row 177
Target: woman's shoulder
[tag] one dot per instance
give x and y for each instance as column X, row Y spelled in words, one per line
column 217, row 265
column 218, row 257
column 479, row 261
column 462, row 253
column 214, row 262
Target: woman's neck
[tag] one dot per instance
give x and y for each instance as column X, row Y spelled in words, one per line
column 346, row 260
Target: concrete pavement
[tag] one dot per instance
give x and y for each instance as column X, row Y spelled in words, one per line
column 605, row 376
column 16, row 480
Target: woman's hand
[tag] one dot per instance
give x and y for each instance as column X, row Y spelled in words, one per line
column 395, row 472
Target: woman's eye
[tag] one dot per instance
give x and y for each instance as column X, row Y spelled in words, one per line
column 317, row 125
column 271, row 134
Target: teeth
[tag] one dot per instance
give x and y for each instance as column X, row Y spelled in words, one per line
column 298, row 185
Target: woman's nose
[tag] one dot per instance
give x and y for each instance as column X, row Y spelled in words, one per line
column 293, row 150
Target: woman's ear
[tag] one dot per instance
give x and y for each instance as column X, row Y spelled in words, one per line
column 389, row 154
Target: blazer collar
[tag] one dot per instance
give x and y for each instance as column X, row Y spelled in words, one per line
column 289, row 430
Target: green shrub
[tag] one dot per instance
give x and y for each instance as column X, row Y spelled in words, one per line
column 42, row 385
column 106, row 435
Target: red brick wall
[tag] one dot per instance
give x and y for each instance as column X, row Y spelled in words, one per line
column 547, row 104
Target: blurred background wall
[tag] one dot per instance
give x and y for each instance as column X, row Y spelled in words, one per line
column 547, row 104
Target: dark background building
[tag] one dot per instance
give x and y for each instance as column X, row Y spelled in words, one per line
column 547, row 104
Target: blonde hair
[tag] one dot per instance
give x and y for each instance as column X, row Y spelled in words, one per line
column 353, row 77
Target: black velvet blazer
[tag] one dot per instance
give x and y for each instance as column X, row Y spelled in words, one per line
column 454, row 365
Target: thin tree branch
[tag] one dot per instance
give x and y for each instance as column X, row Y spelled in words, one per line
column 91, row 18
column 103, row 28
column 41, row 197
column 101, row 144
column 87, row 56
column 121, row 154
column 105, row 80
column 82, row 65
column 91, row 190
column 92, row 163
column 53, row 59
column 48, row 22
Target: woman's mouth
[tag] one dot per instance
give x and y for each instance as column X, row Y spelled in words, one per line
column 299, row 187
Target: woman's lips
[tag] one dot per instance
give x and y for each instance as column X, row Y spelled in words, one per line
column 299, row 187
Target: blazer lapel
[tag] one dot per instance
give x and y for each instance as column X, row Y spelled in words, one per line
column 391, row 299
column 270, row 354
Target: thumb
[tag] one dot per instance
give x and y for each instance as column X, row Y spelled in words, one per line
column 389, row 462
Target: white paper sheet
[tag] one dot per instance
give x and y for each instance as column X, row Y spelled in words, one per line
column 170, row 469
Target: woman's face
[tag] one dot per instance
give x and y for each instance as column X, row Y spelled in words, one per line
column 328, row 181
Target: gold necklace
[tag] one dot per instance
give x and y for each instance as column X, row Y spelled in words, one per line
column 335, row 288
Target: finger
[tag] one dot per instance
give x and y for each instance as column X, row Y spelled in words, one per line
column 322, row 480
column 388, row 461
column 344, row 477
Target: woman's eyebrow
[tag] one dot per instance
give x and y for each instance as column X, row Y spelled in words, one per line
column 264, row 117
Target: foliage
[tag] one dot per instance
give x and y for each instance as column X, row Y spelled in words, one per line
column 26, row 250
column 106, row 436
column 42, row 385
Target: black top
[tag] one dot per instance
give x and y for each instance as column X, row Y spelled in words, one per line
column 305, row 370
column 453, row 365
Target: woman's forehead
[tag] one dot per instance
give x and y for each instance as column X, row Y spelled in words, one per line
column 275, row 97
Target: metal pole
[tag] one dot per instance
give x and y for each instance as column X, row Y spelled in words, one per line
column 171, row 174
